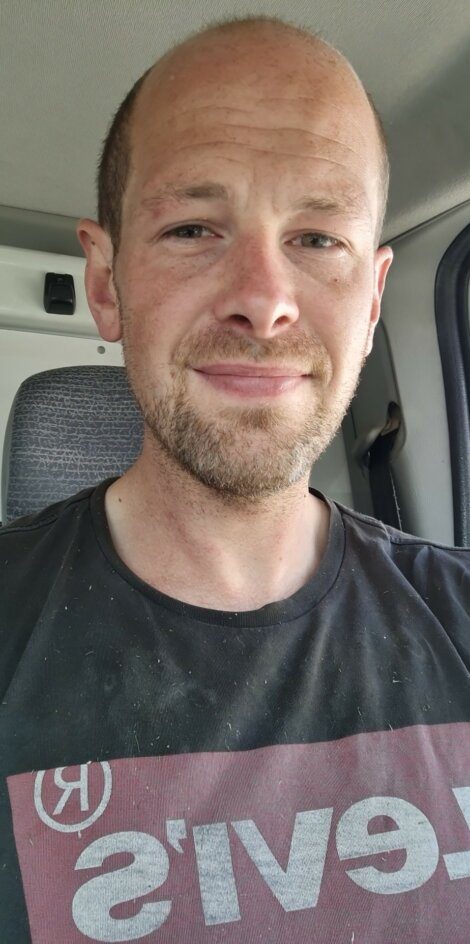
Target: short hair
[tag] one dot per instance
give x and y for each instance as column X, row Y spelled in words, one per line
column 115, row 159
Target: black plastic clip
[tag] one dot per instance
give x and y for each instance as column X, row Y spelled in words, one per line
column 59, row 294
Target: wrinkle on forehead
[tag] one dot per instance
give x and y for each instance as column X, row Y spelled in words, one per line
column 212, row 141
column 315, row 120
column 332, row 105
column 254, row 126
column 341, row 117
column 303, row 156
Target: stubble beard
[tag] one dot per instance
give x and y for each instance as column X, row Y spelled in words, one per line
column 245, row 454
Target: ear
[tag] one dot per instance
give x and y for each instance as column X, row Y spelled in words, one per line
column 99, row 282
column 382, row 262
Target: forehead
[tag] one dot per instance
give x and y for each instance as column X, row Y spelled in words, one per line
column 252, row 114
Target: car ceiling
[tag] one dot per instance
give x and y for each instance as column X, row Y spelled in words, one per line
column 65, row 65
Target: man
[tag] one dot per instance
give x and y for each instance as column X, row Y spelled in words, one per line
column 248, row 708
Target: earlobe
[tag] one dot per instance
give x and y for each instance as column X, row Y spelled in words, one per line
column 99, row 282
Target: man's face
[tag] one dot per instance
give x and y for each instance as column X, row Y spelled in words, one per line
column 247, row 279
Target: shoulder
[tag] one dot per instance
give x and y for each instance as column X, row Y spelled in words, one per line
column 25, row 535
column 395, row 541
column 37, row 553
column 439, row 573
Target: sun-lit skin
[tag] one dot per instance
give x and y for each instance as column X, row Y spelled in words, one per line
column 248, row 235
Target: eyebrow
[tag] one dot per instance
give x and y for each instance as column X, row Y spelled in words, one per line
column 351, row 204
column 203, row 191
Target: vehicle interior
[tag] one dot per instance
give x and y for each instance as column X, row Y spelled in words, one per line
column 403, row 452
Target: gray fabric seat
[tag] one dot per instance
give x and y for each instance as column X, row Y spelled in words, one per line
column 68, row 429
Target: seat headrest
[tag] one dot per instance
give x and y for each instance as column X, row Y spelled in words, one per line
column 68, row 429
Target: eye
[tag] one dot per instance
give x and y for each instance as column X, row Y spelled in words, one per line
column 317, row 241
column 189, row 231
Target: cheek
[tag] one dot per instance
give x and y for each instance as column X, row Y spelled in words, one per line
column 153, row 307
column 340, row 318
column 341, row 308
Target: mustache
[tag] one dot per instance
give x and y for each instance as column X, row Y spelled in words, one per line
column 299, row 349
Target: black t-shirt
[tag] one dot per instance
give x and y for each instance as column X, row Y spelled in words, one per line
column 171, row 773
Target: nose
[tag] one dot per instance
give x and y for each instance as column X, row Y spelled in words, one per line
column 257, row 295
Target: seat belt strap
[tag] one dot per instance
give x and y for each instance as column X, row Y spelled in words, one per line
column 381, row 479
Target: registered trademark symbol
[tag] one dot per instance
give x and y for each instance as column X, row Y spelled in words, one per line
column 69, row 787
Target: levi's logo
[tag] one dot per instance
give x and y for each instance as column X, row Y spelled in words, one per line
column 295, row 842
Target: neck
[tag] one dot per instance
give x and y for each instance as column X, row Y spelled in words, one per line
column 190, row 543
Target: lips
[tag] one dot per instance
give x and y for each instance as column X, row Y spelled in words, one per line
column 251, row 380
column 249, row 370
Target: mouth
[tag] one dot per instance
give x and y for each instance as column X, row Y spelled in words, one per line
column 251, row 380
